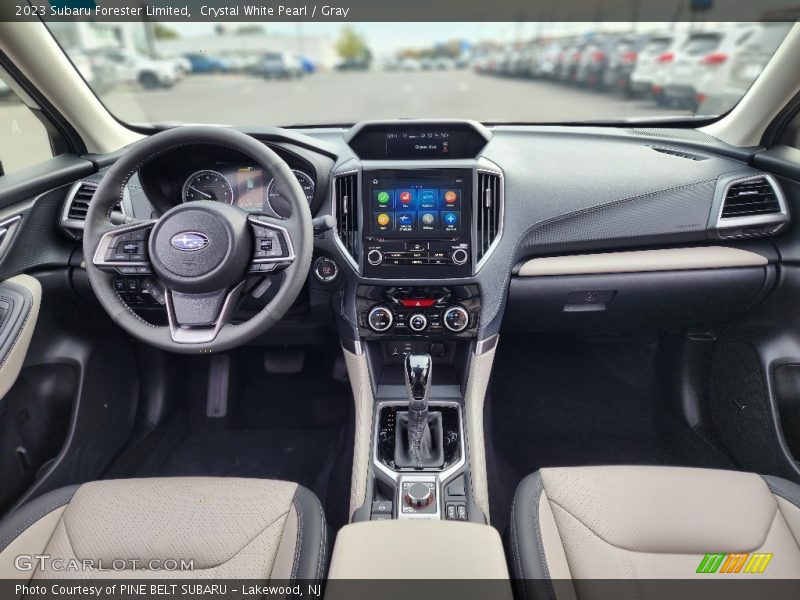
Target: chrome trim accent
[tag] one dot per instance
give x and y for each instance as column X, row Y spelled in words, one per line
column 7, row 229
column 780, row 219
column 413, row 478
column 201, row 335
column 103, row 245
column 369, row 318
column 336, row 239
column 496, row 171
column 485, row 345
column 289, row 245
column 439, row 476
column 464, row 312
column 77, row 224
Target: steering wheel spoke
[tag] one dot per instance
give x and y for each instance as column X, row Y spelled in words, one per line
column 123, row 249
column 273, row 249
column 198, row 318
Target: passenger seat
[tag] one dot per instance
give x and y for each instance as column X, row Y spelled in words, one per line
column 641, row 522
column 184, row 527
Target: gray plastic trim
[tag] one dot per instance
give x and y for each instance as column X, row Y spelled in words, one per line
column 779, row 219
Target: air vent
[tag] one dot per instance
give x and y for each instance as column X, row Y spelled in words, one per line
column 751, row 207
column 751, row 197
column 489, row 215
column 680, row 153
column 77, row 205
column 345, row 190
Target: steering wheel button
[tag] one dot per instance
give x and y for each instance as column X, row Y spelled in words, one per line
column 130, row 247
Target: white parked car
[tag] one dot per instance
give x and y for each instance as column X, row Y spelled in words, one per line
column 703, row 57
column 720, row 88
column 653, row 61
column 132, row 67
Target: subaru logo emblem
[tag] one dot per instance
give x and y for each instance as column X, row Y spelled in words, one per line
column 189, row 241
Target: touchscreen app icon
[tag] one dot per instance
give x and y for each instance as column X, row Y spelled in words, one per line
column 405, row 197
column 450, row 197
column 383, row 219
column 450, row 220
column 427, row 198
column 383, row 198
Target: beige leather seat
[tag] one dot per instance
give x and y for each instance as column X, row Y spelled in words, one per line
column 654, row 523
column 227, row 528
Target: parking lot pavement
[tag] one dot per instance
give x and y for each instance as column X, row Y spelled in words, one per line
column 349, row 97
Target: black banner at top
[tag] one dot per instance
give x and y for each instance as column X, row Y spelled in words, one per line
column 402, row 10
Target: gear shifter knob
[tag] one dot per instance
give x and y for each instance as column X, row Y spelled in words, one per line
column 418, row 381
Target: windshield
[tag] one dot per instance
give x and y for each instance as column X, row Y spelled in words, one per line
column 256, row 74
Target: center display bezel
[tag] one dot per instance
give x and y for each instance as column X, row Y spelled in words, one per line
column 441, row 182
column 440, row 243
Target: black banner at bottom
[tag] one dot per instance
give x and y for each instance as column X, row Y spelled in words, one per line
column 105, row 587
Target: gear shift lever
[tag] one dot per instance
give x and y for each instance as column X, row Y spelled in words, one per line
column 418, row 369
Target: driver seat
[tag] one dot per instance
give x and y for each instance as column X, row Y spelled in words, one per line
column 228, row 528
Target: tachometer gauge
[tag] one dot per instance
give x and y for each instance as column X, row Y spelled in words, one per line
column 306, row 182
column 207, row 185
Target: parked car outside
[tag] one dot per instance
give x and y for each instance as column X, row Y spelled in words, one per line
column 747, row 61
column 569, row 60
column 204, row 63
column 280, row 65
column 546, row 64
column 704, row 63
column 622, row 61
column 652, row 63
column 132, row 67
column 591, row 67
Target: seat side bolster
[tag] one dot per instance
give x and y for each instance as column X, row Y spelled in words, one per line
column 311, row 551
column 15, row 523
column 554, row 554
column 788, row 497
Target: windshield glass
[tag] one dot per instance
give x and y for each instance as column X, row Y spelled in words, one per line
column 255, row 74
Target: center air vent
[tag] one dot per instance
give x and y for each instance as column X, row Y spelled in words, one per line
column 489, row 217
column 345, row 190
column 77, row 205
column 752, row 206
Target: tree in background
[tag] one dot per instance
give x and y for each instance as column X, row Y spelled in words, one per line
column 351, row 46
column 162, row 32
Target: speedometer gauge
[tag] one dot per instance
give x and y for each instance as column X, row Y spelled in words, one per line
column 208, row 185
column 306, row 182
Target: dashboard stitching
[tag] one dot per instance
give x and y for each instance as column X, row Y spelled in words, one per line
column 587, row 210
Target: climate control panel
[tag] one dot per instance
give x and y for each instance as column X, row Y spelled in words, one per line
column 448, row 311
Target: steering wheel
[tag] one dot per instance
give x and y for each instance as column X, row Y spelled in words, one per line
column 202, row 253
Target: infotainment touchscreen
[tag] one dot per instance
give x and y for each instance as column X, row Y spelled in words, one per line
column 417, row 204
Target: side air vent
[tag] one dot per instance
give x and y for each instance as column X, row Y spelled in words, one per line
column 77, row 205
column 489, row 214
column 345, row 202
column 752, row 206
column 680, row 153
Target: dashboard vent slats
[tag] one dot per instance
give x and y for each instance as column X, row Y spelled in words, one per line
column 77, row 206
column 490, row 210
column 752, row 197
column 346, row 198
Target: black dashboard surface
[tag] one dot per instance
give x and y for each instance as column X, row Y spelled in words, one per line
column 566, row 189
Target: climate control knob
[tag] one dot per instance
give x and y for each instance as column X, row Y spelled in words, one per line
column 456, row 318
column 460, row 256
column 418, row 322
column 380, row 319
column 374, row 257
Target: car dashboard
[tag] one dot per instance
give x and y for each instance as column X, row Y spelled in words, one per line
column 447, row 231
